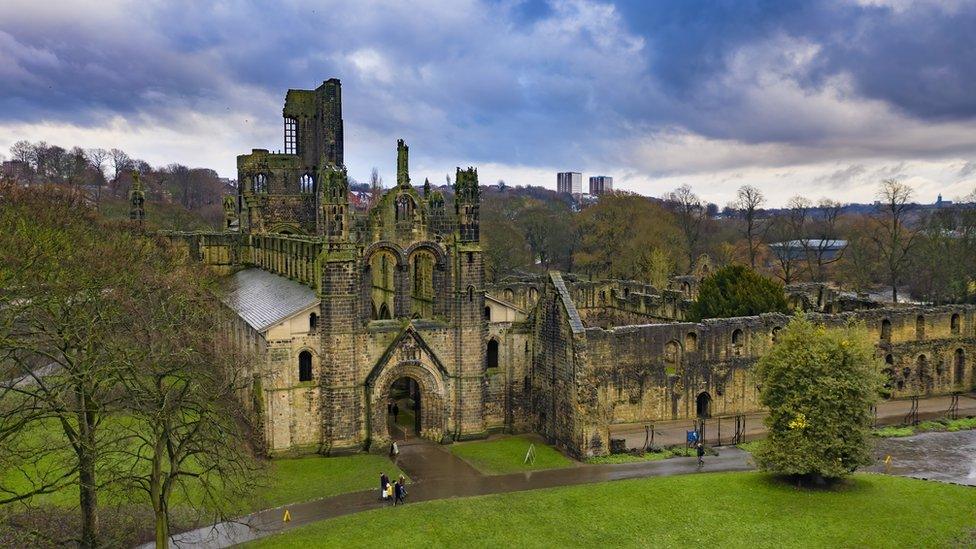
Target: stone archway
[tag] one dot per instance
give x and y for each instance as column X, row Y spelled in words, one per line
column 431, row 391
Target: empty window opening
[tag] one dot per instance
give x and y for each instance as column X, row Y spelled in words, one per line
column 291, row 136
column 305, row 366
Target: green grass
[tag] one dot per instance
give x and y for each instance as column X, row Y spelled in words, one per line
column 704, row 510
column 295, row 480
column 961, row 424
column 678, row 451
column 507, row 455
column 751, row 446
column 282, row 480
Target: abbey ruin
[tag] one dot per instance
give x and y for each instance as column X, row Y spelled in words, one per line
column 340, row 305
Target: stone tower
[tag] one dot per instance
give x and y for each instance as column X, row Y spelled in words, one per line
column 469, row 299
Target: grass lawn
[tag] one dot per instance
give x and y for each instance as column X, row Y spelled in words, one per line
column 704, row 510
column 961, row 424
column 507, row 455
column 646, row 456
column 302, row 479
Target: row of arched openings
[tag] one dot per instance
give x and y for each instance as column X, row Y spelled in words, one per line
column 955, row 327
column 306, row 183
column 421, row 266
column 922, row 373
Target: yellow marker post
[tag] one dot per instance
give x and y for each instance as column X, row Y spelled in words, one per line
column 287, row 517
column 887, row 462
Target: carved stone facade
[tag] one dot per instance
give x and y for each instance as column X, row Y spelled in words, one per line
column 399, row 293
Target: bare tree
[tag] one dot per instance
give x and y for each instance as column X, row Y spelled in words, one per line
column 789, row 232
column 691, row 215
column 121, row 163
column 823, row 248
column 748, row 203
column 893, row 236
column 182, row 380
column 58, row 328
column 98, row 158
column 375, row 187
column 179, row 175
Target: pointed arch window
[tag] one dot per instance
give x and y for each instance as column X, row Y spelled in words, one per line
column 260, row 183
column 306, row 184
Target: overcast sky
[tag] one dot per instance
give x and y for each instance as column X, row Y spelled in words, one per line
column 818, row 99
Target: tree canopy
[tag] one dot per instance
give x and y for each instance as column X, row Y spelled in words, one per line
column 819, row 385
column 737, row 290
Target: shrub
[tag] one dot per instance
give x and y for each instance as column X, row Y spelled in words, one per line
column 819, row 385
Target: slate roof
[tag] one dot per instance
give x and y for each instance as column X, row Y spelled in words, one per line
column 264, row 299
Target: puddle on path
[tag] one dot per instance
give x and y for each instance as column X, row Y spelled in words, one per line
column 948, row 457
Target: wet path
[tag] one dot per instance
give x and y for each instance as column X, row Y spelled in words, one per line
column 438, row 474
column 946, row 457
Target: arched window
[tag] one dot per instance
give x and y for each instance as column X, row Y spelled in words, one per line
column 959, row 362
column 470, row 294
column 954, row 324
column 404, row 208
column 306, row 185
column 313, row 322
column 491, row 355
column 382, row 272
column 691, row 342
column 886, row 330
column 509, row 295
column 260, row 183
column 737, row 342
column 304, row 366
column 672, row 357
column 422, row 284
column 919, row 327
column 922, row 372
column 488, row 313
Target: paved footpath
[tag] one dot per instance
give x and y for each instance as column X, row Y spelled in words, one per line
column 719, row 431
column 435, row 473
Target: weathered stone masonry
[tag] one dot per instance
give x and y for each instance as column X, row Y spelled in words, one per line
column 399, row 292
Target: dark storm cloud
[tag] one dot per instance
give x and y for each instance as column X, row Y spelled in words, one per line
column 530, row 82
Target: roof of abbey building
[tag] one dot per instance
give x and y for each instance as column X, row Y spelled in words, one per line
column 264, row 299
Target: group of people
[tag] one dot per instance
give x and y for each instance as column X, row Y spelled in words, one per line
column 392, row 492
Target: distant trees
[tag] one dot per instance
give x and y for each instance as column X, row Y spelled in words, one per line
column 627, row 236
column 819, row 385
column 737, row 290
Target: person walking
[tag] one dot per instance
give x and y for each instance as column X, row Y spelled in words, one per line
column 384, row 481
column 396, row 412
column 400, row 491
column 701, row 455
column 389, row 494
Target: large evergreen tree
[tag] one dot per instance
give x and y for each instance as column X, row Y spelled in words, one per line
column 737, row 290
column 819, row 384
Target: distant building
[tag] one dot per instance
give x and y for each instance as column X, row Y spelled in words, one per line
column 939, row 203
column 798, row 249
column 600, row 184
column 569, row 182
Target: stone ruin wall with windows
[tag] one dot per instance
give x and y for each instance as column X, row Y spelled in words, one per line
column 401, row 293
column 585, row 379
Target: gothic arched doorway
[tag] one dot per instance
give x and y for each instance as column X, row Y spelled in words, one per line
column 419, row 391
column 703, row 405
column 404, row 409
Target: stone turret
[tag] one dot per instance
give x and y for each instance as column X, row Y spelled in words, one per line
column 467, row 202
column 403, row 169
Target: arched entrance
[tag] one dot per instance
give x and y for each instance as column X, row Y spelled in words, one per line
column 703, row 405
column 418, row 390
column 404, row 409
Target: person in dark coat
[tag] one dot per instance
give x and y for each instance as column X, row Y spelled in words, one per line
column 384, row 480
column 399, row 491
column 396, row 411
column 701, row 454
